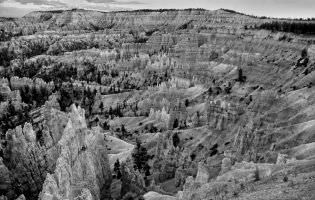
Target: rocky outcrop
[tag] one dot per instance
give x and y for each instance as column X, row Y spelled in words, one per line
column 82, row 169
column 27, row 161
column 224, row 186
column 178, row 115
column 221, row 113
column 29, row 154
column 252, row 143
column 228, row 161
column 195, row 190
column 202, row 175
column 160, row 41
column 245, row 180
column 311, row 52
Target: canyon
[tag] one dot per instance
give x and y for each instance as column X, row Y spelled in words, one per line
column 155, row 104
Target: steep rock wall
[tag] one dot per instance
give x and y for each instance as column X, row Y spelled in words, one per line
column 82, row 168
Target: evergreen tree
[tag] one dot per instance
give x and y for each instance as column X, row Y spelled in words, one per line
column 147, row 170
column 99, row 78
column 35, row 94
column 197, row 119
column 186, row 102
column 110, row 112
column 175, row 125
column 140, row 157
column 176, row 140
column 210, row 91
column 123, row 130
column 228, row 88
column 11, row 109
column 304, row 53
column 293, row 27
column 117, row 169
column 25, row 94
column 240, row 74
column 240, row 77
column 44, row 94
column 105, row 126
column 101, row 107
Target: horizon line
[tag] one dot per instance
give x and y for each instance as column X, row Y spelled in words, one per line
column 167, row 9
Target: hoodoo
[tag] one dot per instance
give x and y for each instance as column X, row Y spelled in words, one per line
column 162, row 104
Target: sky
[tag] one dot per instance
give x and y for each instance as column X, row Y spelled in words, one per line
column 270, row 8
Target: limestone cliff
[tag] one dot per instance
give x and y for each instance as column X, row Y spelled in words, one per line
column 82, row 169
column 62, row 145
column 28, row 159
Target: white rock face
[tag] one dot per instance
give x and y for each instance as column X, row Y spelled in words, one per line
column 226, row 165
column 311, row 52
column 25, row 160
column 282, row 159
column 82, row 167
column 156, row 196
column 202, row 175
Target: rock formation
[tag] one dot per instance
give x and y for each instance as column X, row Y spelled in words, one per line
column 82, row 169
column 223, row 107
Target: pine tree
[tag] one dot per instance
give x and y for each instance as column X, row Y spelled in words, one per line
column 210, row 91
column 176, row 140
column 110, row 112
column 240, row 77
column 117, row 169
column 140, row 157
column 35, row 94
column 101, row 107
column 11, row 109
column 175, row 125
column 186, row 102
column 147, row 169
column 43, row 93
column 304, row 53
column 123, row 130
column 99, row 78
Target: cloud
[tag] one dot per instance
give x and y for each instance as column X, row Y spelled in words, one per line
column 12, row 7
column 40, row 2
column 115, row 2
column 51, row 3
column 67, row 3
column 14, row 12
column 276, row 8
